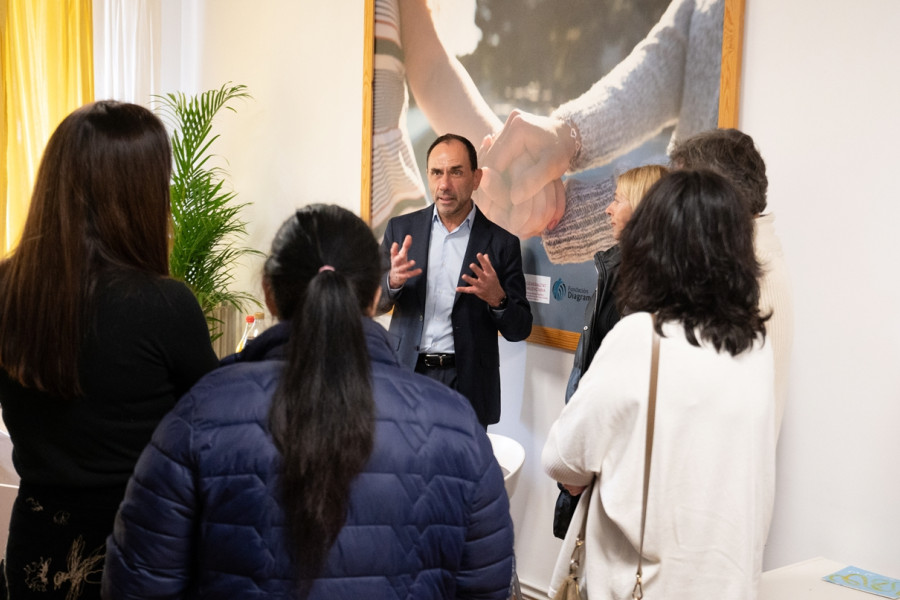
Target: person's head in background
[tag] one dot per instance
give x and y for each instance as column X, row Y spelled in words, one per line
column 100, row 200
column 631, row 186
column 687, row 255
column 733, row 154
column 323, row 276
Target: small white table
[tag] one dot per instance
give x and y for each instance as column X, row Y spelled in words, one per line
column 803, row 580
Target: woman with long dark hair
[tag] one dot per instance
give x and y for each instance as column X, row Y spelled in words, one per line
column 688, row 259
column 96, row 342
column 314, row 465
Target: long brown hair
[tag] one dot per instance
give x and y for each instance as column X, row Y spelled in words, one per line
column 324, row 271
column 100, row 200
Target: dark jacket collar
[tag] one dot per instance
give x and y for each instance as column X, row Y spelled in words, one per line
column 610, row 258
column 272, row 344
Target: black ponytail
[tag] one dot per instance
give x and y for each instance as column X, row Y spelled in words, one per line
column 323, row 272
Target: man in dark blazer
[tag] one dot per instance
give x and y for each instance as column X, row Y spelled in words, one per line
column 455, row 281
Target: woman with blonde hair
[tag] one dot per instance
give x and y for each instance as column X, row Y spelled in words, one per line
column 602, row 314
column 97, row 343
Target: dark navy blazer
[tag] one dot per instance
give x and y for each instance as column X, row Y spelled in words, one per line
column 475, row 325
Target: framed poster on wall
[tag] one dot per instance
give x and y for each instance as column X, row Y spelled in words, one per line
column 625, row 78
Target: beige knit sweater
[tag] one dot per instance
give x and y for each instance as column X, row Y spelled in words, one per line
column 775, row 297
column 670, row 78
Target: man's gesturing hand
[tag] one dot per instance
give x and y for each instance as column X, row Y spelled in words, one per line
column 484, row 283
column 402, row 268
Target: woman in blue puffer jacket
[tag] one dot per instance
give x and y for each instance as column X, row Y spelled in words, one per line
column 314, row 466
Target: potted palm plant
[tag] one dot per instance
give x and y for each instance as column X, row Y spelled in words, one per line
column 207, row 229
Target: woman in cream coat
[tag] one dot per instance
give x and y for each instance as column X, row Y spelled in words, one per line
column 687, row 256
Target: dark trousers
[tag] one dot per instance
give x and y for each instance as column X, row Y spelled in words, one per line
column 445, row 375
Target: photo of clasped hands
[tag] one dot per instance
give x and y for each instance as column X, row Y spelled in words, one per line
column 521, row 187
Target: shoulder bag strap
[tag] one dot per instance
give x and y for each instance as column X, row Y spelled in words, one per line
column 638, row 591
column 577, row 561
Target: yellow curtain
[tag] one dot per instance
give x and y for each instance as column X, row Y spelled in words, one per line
column 47, row 67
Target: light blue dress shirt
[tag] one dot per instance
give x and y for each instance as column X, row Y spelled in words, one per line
column 445, row 260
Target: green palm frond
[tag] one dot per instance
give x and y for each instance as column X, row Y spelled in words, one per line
column 207, row 226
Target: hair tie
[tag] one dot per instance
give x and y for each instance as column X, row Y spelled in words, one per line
column 326, row 268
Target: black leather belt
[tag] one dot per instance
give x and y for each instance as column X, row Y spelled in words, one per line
column 438, row 361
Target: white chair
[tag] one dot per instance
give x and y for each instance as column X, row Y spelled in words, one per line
column 511, row 456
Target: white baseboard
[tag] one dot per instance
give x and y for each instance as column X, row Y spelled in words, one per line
column 533, row 592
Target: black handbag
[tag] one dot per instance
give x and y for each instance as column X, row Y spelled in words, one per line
column 563, row 511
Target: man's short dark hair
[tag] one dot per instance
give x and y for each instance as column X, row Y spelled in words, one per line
column 733, row 154
column 473, row 154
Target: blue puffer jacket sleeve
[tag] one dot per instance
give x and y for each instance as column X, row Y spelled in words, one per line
column 150, row 552
column 486, row 568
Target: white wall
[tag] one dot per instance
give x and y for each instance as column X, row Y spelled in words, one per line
column 819, row 95
column 534, row 382
column 298, row 141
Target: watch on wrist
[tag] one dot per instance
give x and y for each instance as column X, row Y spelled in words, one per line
column 503, row 303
